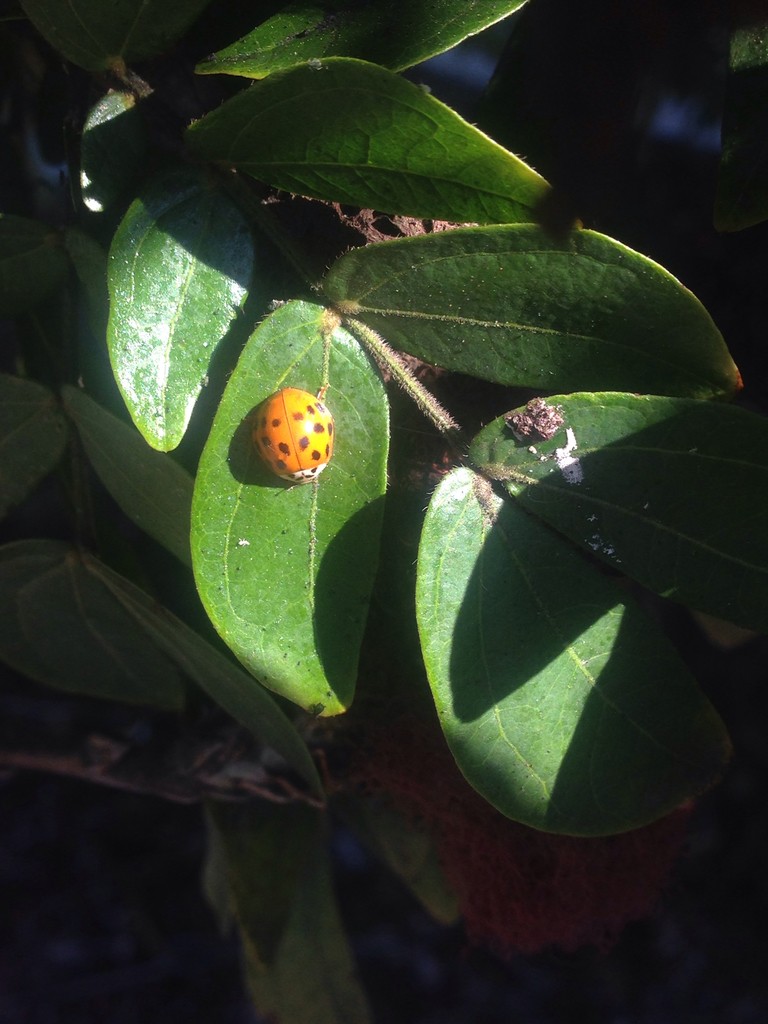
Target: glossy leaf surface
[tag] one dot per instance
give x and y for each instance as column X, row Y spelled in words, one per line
column 285, row 572
column 394, row 33
column 61, row 626
column 153, row 490
column 566, row 709
column 32, row 263
column 674, row 493
column 179, row 269
column 361, row 135
column 99, row 35
column 32, row 437
column 513, row 305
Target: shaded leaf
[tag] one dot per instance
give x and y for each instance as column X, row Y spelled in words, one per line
column 32, row 263
column 60, row 626
column 297, row 959
column 408, row 850
column 566, row 709
column 98, row 36
column 90, row 264
column 179, row 269
column 361, row 135
column 511, row 304
column 285, row 572
column 153, row 490
column 263, row 854
column 742, row 186
column 112, row 150
column 394, row 33
column 231, row 688
column 32, row 437
column 672, row 492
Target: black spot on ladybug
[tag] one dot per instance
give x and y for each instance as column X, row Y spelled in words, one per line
column 315, row 455
column 280, row 464
column 284, row 448
column 267, row 442
column 263, row 422
column 303, row 443
column 319, row 428
column 330, row 429
column 297, row 416
column 327, row 450
column 276, row 422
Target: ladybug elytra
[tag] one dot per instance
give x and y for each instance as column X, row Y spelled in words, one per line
column 294, row 434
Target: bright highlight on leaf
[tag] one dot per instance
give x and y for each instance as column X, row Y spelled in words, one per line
column 565, row 708
column 179, row 270
column 362, row 135
column 285, row 572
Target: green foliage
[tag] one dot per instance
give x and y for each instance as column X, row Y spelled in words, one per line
column 390, row 145
column 562, row 702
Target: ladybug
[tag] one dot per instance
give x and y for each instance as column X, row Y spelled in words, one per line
column 294, row 434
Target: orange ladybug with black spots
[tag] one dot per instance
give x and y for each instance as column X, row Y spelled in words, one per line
column 294, row 434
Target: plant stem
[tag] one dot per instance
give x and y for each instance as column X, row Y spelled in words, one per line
column 390, row 361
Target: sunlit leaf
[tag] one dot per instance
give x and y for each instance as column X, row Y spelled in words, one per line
column 361, row 135
column 564, row 707
column 179, row 269
column 514, row 305
column 394, row 33
column 285, row 572
column 672, row 492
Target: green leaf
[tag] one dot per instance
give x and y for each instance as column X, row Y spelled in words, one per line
column 153, row 490
column 352, row 132
column 263, row 853
column 112, row 150
column 32, row 263
column 511, row 304
column 283, row 898
column 60, row 626
column 98, row 35
column 672, row 492
column 285, row 572
column 408, row 850
column 566, row 709
column 742, row 187
column 394, row 33
column 90, row 264
column 231, row 688
column 179, row 269
column 32, row 437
